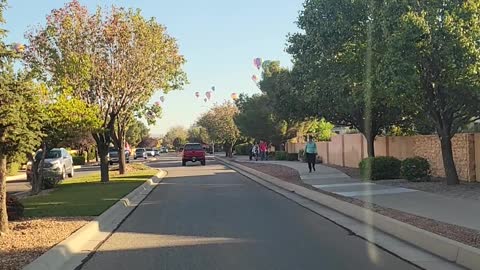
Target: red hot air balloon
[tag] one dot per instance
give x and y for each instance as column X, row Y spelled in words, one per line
column 197, row 94
column 254, row 78
column 157, row 103
column 234, row 96
column 208, row 94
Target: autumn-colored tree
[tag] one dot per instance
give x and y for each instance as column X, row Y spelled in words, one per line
column 112, row 60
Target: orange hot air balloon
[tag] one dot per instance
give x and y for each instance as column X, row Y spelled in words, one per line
column 234, row 96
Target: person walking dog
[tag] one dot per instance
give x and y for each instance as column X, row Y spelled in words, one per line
column 311, row 153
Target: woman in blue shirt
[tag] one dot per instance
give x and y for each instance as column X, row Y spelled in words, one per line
column 311, row 153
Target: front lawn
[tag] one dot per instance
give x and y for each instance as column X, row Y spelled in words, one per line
column 85, row 196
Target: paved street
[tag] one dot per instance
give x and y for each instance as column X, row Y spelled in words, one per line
column 213, row 218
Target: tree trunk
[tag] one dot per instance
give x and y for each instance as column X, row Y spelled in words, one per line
column 448, row 162
column 3, row 195
column 37, row 171
column 228, row 149
column 121, row 155
column 370, row 145
column 103, row 155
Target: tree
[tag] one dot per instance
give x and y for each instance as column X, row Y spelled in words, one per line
column 338, row 58
column 136, row 132
column 114, row 61
column 435, row 57
column 256, row 119
column 220, row 125
column 149, row 142
column 19, row 116
column 176, row 136
column 198, row 135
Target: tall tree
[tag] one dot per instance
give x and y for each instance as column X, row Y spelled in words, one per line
column 256, row 119
column 220, row 125
column 19, row 116
column 136, row 131
column 113, row 60
column 176, row 136
column 434, row 55
column 198, row 135
column 337, row 58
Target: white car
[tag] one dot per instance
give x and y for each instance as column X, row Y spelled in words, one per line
column 58, row 164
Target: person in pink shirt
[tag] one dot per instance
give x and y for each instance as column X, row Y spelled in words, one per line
column 263, row 150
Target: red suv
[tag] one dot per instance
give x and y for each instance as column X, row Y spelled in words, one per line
column 193, row 152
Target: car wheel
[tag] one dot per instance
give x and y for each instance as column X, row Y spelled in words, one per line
column 71, row 173
column 111, row 163
column 203, row 162
column 128, row 160
column 184, row 163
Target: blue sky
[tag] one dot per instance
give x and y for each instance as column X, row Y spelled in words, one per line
column 219, row 39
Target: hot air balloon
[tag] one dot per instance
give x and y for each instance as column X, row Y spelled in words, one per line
column 19, row 48
column 234, row 96
column 205, row 99
column 157, row 103
column 254, row 78
column 257, row 62
column 208, row 94
column 162, row 98
column 213, row 88
column 197, row 94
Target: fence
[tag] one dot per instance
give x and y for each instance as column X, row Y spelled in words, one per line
column 349, row 149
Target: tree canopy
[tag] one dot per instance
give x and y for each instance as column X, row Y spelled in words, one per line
column 220, row 125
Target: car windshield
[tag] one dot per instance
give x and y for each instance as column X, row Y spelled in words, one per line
column 190, row 147
column 139, row 150
column 54, row 154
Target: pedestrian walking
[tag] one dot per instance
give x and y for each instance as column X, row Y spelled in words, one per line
column 263, row 149
column 311, row 153
column 255, row 150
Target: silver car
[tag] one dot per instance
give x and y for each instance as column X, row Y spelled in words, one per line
column 58, row 163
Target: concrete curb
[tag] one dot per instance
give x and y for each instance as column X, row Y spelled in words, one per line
column 443, row 247
column 72, row 251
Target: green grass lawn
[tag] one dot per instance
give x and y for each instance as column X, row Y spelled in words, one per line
column 85, row 196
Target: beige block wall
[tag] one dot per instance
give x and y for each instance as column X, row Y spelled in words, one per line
column 381, row 146
column 477, row 156
column 335, row 151
column 322, row 148
column 401, row 147
column 354, row 150
column 463, row 154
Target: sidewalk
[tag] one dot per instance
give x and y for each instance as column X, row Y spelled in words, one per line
column 462, row 212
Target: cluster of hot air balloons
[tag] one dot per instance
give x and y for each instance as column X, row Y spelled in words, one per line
column 257, row 63
column 208, row 94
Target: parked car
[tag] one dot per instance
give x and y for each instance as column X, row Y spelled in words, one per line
column 114, row 158
column 140, row 153
column 164, row 150
column 150, row 152
column 193, row 152
column 157, row 151
column 58, row 164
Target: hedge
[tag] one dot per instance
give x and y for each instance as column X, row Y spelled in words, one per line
column 380, row 168
column 281, row 155
column 292, row 157
column 415, row 169
column 243, row 149
column 78, row 160
column 13, row 168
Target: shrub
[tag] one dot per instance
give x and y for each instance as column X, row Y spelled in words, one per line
column 14, row 208
column 51, row 182
column 78, row 160
column 281, row 155
column 243, row 149
column 301, row 155
column 271, row 155
column 415, row 169
column 91, row 154
column 379, row 168
column 13, row 168
column 292, row 157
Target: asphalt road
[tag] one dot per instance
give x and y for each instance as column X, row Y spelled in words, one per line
column 211, row 217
